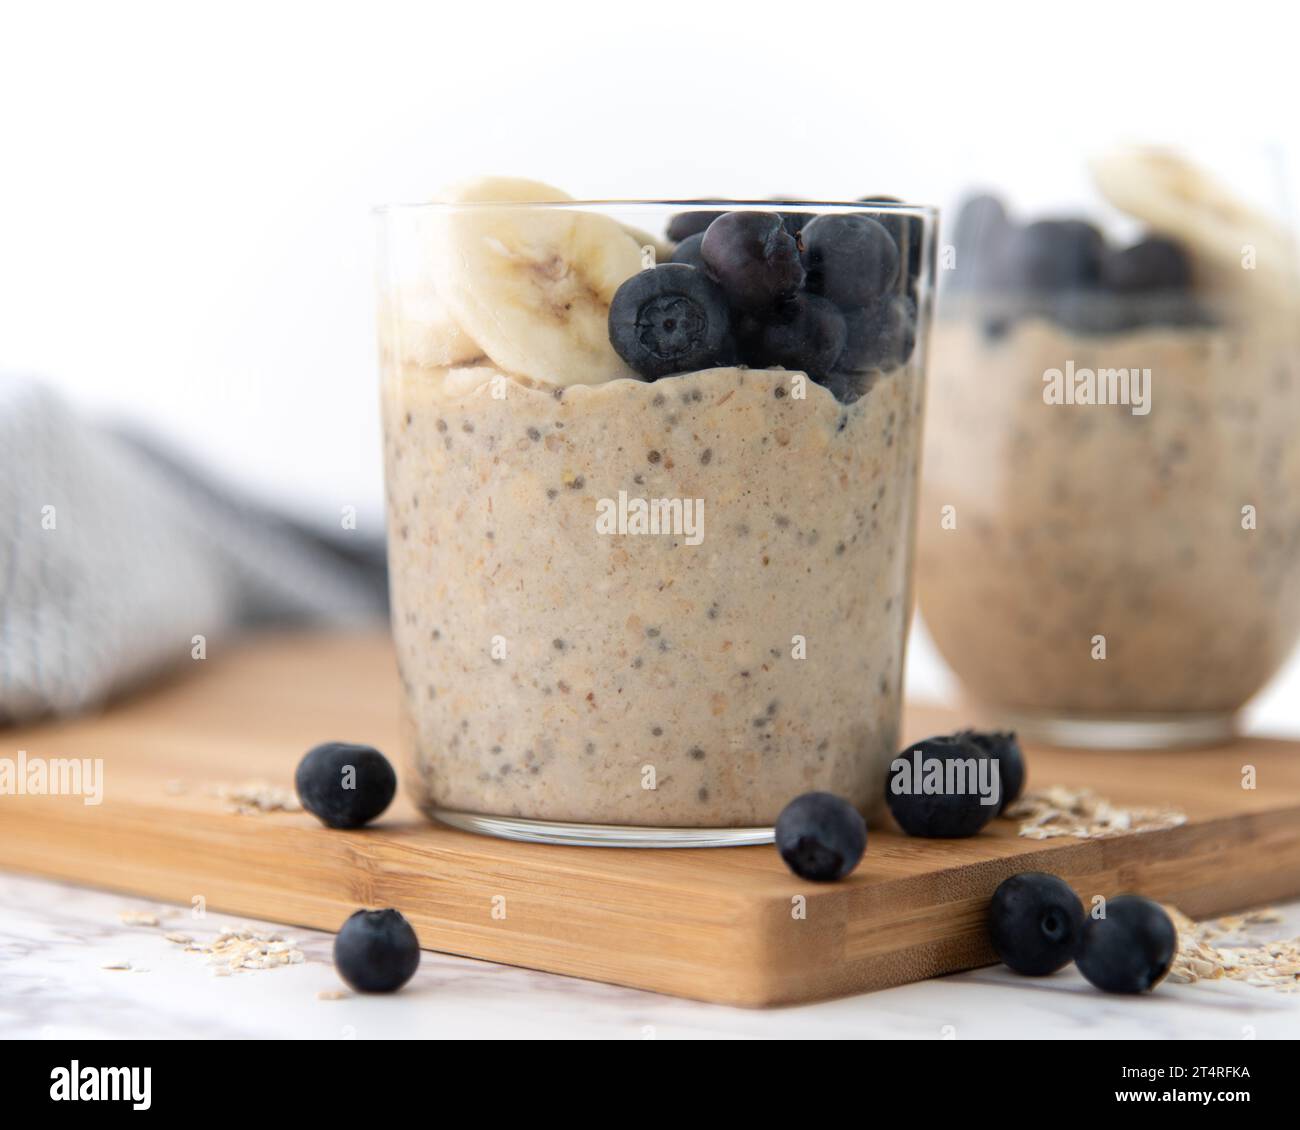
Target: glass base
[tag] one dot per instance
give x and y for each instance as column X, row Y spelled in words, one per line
column 601, row 835
column 1136, row 731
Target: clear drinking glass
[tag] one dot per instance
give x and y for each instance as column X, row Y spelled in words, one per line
column 641, row 611
column 1110, row 523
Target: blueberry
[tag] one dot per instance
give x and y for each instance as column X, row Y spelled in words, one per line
column 1154, row 264
column 851, row 259
column 1035, row 923
column 936, row 788
column 753, row 258
column 820, row 836
column 686, row 224
column 668, row 319
column 1130, row 949
column 794, row 222
column 907, row 232
column 1053, row 255
column 981, row 230
column 345, row 785
column 879, row 337
column 1003, row 747
column 688, row 251
column 376, row 951
column 848, row 388
column 807, row 333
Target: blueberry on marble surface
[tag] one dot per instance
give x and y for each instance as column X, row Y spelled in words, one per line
column 345, row 785
column 376, row 951
column 851, row 259
column 753, row 258
column 669, row 319
column 1035, row 923
column 1130, row 949
column 821, row 837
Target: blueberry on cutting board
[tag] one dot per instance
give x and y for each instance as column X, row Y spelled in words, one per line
column 935, row 788
column 345, row 785
column 376, row 951
column 1035, row 923
column 821, row 837
column 1004, row 748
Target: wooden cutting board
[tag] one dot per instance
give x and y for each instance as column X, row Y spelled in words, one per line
column 714, row 924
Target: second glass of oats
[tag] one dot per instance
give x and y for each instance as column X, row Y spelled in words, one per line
column 1111, row 518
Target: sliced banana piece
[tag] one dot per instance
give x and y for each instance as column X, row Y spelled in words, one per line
column 1221, row 232
column 416, row 329
column 465, row 381
column 532, row 286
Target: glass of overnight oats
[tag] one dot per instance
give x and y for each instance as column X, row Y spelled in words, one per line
column 651, row 473
column 1109, row 539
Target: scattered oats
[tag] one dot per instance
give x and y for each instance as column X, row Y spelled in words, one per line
column 248, row 949
column 255, row 796
column 179, row 938
column 1060, row 811
column 331, row 995
column 1268, row 965
column 138, row 918
column 116, row 965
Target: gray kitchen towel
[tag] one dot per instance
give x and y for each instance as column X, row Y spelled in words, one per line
column 115, row 556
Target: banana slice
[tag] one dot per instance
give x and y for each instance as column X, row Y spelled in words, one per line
column 532, row 286
column 1178, row 199
column 415, row 329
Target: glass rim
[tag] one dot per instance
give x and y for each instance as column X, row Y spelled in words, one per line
column 712, row 204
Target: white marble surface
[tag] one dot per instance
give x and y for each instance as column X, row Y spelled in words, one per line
column 54, row 939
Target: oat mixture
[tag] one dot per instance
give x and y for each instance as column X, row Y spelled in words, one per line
column 627, row 652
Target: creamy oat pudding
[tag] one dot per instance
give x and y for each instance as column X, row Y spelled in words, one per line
column 1114, row 429
column 650, row 505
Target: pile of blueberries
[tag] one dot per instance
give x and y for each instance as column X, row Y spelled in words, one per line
column 1064, row 270
column 832, row 295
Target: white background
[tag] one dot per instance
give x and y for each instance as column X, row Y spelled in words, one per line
column 184, row 189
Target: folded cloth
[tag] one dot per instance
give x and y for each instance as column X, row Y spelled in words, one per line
column 115, row 557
